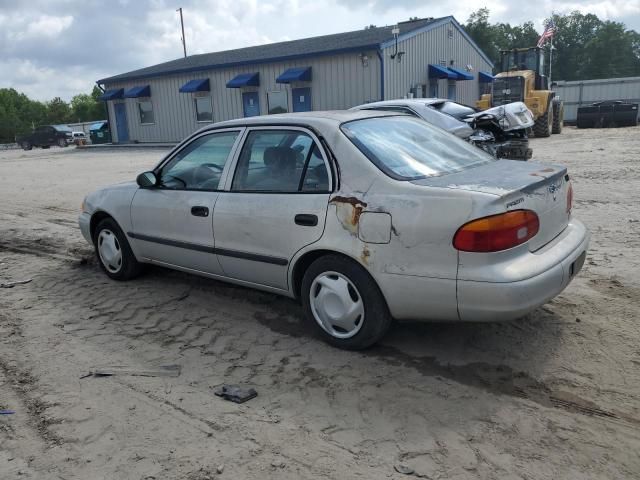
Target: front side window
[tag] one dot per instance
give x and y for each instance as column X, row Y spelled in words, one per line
column 199, row 165
column 204, row 109
column 277, row 102
column 145, row 108
column 280, row 161
column 406, row 148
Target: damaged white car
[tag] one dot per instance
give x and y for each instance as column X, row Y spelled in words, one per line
column 500, row 131
column 362, row 216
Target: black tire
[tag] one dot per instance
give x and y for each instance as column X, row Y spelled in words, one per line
column 558, row 117
column 44, row 147
column 129, row 267
column 543, row 126
column 26, row 146
column 62, row 142
column 376, row 319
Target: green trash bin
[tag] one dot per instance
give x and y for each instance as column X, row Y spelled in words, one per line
column 99, row 133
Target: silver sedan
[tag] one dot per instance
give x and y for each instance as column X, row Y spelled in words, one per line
column 362, row 216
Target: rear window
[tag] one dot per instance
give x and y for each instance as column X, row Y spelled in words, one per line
column 454, row 109
column 407, row 148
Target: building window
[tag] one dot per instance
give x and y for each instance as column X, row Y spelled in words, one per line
column 145, row 108
column 204, row 109
column 277, row 102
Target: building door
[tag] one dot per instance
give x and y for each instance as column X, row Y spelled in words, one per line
column 451, row 90
column 121, row 122
column 301, row 99
column 250, row 104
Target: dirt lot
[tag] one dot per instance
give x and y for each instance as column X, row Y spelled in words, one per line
column 553, row 395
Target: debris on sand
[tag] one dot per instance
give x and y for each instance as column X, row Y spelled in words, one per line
column 13, row 284
column 404, row 469
column 235, row 393
column 161, row 371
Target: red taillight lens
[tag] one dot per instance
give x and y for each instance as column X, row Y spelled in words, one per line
column 497, row 232
column 569, row 198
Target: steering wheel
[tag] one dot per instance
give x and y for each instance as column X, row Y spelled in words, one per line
column 184, row 184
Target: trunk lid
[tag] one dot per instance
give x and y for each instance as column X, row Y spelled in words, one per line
column 517, row 185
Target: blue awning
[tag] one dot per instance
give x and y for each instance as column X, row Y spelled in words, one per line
column 113, row 94
column 299, row 74
column 244, row 80
column 461, row 74
column 191, row 86
column 137, row 92
column 484, row 77
column 437, row 71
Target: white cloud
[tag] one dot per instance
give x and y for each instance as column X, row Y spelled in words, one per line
column 69, row 44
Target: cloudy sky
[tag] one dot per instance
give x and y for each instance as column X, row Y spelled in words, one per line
column 61, row 47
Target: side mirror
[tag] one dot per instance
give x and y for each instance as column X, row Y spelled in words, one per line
column 147, row 180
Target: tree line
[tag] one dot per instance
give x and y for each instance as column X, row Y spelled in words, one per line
column 585, row 47
column 20, row 114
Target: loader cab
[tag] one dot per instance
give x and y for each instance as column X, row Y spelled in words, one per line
column 519, row 59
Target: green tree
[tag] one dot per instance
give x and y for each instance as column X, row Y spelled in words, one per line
column 58, row 111
column 585, row 47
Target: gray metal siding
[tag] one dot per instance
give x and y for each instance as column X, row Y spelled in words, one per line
column 338, row 82
column 585, row 92
column 433, row 46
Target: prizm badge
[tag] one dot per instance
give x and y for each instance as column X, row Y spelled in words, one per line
column 554, row 187
column 515, row 202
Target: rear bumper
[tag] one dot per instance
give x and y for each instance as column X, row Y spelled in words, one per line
column 562, row 259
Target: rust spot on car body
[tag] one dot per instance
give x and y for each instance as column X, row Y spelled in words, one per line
column 357, row 207
column 364, row 256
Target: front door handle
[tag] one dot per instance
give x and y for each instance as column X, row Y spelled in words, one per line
column 306, row 219
column 200, row 211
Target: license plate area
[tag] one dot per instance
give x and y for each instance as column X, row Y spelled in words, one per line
column 576, row 266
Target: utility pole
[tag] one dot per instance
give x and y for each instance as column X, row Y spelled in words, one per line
column 184, row 42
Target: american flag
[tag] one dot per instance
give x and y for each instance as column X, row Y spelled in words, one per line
column 549, row 30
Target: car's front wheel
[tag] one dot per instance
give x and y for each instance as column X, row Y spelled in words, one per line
column 62, row 142
column 26, row 146
column 113, row 251
column 343, row 303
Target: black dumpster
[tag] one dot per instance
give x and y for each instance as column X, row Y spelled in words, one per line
column 610, row 113
column 99, row 133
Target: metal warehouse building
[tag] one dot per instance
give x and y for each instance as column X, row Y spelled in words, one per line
column 420, row 58
column 577, row 93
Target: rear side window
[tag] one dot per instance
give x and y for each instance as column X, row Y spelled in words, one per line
column 406, row 148
column 280, row 161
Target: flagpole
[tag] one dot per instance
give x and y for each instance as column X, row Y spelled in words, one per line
column 551, row 53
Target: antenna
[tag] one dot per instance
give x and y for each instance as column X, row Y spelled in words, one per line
column 184, row 42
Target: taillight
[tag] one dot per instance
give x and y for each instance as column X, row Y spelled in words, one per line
column 497, row 232
column 569, row 198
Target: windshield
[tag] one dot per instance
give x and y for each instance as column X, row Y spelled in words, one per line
column 406, row 148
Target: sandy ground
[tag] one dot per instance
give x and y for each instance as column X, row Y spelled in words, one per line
column 554, row 395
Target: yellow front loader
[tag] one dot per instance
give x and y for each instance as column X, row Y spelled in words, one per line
column 522, row 79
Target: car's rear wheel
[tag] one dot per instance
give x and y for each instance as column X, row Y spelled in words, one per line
column 26, row 146
column 343, row 303
column 113, row 251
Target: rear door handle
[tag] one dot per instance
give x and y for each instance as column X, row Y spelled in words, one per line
column 306, row 220
column 200, row 211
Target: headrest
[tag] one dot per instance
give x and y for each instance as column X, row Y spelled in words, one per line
column 280, row 158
